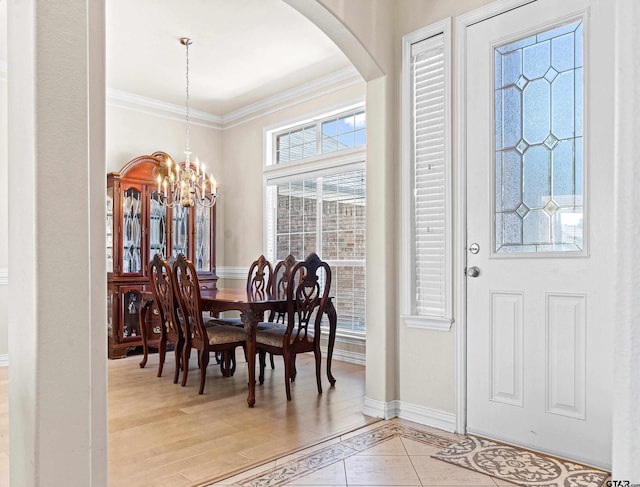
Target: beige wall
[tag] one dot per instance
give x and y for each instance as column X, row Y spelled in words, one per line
column 131, row 133
column 4, row 262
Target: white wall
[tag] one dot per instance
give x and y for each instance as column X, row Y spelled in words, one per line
column 4, row 261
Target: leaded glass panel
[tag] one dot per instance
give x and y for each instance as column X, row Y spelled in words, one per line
column 538, row 131
column 157, row 225
column 203, row 239
column 180, row 236
column 132, row 235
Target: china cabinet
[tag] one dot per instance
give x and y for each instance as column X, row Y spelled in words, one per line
column 139, row 225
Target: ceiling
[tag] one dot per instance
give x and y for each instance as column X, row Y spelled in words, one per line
column 243, row 50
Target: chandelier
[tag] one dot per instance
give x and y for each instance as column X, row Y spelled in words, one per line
column 186, row 183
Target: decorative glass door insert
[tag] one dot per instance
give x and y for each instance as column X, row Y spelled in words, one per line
column 157, row 225
column 132, row 234
column 203, row 239
column 539, row 143
column 180, row 233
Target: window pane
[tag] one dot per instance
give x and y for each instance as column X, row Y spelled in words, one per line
column 296, row 144
column 330, row 129
column 344, row 132
column 538, row 113
column 340, row 206
column 349, row 301
column 296, row 215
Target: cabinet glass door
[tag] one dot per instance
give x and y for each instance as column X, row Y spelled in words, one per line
column 157, row 226
column 109, row 230
column 180, row 234
column 130, row 312
column 202, row 258
column 131, row 231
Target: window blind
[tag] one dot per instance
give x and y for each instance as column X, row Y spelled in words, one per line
column 429, row 176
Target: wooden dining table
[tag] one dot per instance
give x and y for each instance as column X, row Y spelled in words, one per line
column 252, row 312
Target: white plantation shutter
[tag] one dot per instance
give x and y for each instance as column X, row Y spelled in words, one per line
column 428, row 289
column 429, row 175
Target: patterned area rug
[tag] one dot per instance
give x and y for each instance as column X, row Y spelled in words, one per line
column 521, row 467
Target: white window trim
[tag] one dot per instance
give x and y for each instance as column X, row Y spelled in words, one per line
column 407, row 268
column 270, row 131
column 321, row 165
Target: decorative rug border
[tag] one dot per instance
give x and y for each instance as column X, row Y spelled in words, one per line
column 336, row 452
column 520, row 466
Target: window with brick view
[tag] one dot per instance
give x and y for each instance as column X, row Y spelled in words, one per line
column 324, row 212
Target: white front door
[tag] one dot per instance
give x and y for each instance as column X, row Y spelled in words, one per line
column 539, row 92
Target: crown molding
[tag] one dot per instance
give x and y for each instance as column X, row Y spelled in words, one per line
column 153, row 106
column 344, row 77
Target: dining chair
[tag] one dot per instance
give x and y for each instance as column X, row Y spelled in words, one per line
column 205, row 339
column 280, row 280
column 259, row 287
column 171, row 331
column 307, row 292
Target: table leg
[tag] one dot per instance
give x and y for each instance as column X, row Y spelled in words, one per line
column 143, row 330
column 250, row 321
column 333, row 323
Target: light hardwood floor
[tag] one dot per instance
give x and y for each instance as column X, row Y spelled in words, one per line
column 162, row 434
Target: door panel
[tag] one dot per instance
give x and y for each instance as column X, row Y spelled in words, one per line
column 539, row 186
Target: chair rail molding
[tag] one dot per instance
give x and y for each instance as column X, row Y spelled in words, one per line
column 4, row 276
column 232, row 272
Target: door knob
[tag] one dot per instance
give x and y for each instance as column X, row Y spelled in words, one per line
column 473, row 271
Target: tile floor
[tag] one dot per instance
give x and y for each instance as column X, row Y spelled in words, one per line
column 390, row 453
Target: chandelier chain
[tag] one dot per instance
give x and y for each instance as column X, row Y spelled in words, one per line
column 187, row 84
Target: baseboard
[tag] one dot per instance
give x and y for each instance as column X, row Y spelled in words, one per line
column 346, row 356
column 427, row 416
column 4, row 360
column 379, row 409
column 411, row 412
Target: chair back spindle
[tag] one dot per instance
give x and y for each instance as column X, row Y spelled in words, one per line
column 259, row 279
column 161, row 280
column 307, row 294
